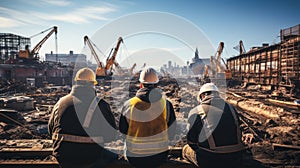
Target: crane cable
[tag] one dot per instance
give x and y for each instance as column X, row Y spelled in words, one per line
column 41, row 32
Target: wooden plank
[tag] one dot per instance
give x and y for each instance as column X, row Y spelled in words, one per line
column 283, row 102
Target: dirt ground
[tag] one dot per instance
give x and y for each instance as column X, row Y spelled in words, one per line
column 271, row 131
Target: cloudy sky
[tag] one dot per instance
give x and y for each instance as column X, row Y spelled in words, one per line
column 255, row 22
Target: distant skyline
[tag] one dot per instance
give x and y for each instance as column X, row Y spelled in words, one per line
column 254, row 22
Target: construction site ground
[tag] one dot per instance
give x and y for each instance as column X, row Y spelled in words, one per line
column 270, row 125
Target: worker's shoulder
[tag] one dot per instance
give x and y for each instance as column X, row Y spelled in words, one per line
column 198, row 110
column 67, row 99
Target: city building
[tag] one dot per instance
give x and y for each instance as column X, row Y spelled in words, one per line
column 67, row 59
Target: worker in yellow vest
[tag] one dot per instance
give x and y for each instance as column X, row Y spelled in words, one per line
column 148, row 121
column 80, row 124
column 214, row 136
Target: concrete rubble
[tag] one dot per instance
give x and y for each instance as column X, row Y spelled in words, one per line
column 271, row 126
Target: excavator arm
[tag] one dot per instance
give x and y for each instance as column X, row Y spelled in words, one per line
column 100, row 71
column 242, row 48
column 88, row 42
column 33, row 53
column 112, row 59
column 37, row 48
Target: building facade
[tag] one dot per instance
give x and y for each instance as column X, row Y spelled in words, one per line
column 67, row 59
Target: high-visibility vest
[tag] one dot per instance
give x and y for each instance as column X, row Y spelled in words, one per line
column 211, row 141
column 147, row 131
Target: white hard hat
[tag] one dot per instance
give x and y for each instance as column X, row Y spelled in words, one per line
column 207, row 88
column 86, row 74
column 149, row 76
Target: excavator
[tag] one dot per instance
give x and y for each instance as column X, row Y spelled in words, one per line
column 33, row 54
column 112, row 60
column 105, row 71
column 218, row 71
column 100, row 70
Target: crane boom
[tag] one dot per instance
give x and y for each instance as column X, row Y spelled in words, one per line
column 111, row 60
column 89, row 43
column 33, row 53
column 36, row 49
column 242, row 48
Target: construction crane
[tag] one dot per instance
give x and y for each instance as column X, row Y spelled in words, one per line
column 217, row 69
column 100, row 70
column 33, row 54
column 242, row 48
column 112, row 60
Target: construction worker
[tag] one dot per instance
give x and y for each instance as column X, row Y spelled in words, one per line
column 214, row 135
column 148, row 121
column 80, row 124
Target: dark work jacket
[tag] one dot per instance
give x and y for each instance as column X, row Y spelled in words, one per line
column 67, row 117
column 219, row 115
column 148, row 95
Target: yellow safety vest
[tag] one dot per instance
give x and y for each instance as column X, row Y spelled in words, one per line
column 147, row 131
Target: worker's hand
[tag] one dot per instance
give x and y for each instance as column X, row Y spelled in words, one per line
column 248, row 138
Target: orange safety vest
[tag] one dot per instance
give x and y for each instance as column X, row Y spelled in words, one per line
column 147, row 131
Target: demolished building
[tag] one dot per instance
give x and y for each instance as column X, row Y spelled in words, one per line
column 276, row 65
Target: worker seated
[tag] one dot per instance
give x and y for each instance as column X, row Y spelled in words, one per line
column 148, row 121
column 80, row 124
column 214, row 136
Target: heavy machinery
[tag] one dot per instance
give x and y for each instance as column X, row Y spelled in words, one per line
column 217, row 69
column 104, row 71
column 33, row 54
column 100, row 70
column 242, row 48
column 110, row 61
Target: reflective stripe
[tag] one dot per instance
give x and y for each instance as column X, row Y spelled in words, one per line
column 225, row 149
column 147, row 145
column 211, row 141
column 78, row 139
column 89, row 114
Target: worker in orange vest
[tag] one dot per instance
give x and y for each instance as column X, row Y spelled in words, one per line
column 80, row 124
column 214, row 136
column 148, row 121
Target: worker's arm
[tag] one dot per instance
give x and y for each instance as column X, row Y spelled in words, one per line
column 172, row 124
column 107, row 113
column 123, row 124
column 194, row 126
column 51, row 119
column 109, row 126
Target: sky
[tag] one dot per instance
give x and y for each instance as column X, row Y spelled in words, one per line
column 173, row 29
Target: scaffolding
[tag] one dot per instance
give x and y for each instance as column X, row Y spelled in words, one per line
column 277, row 65
column 10, row 45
